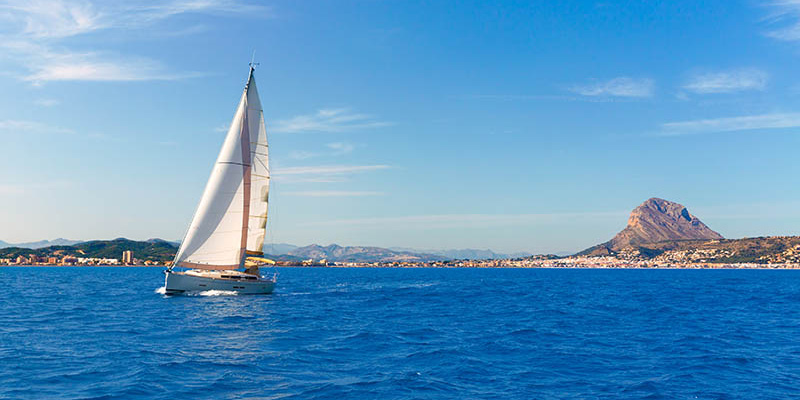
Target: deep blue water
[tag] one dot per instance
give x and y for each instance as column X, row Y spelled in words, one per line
column 104, row 333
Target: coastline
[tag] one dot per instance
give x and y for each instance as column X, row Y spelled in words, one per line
column 502, row 266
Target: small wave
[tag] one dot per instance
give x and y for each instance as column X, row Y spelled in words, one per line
column 161, row 290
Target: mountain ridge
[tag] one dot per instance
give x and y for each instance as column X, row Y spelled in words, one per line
column 41, row 243
column 334, row 252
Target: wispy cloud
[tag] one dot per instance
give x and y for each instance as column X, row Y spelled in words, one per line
column 546, row 97
column 328, row 120
column 90, row 67
column 329, row 169
column 463, row 220
column 56, row 19
column 332, row 193
column 14, row 126
column 323, row 174
column 618, row 87
column 730, row 124
column 728, row 81
column 785, row 16
column 33, row 35
column 47, row 102
column 301, row 155
column 340, row 148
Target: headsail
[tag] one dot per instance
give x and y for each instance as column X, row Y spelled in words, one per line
column 231, row 217
column 259, row 180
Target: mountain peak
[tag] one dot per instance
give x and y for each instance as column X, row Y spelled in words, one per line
column 657, row 220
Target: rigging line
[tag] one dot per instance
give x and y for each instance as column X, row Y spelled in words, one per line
column 263, row 163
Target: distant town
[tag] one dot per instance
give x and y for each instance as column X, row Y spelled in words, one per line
column 790, row 259
column 57, row 258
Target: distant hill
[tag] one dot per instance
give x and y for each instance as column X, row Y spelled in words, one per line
column 465, row 254
column 153, row 249
column 163, row 250
column 656, row 220
column 278, row 248
column 335, row 252
column 40, row 244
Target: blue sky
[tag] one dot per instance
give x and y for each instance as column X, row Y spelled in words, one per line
column 516, row 126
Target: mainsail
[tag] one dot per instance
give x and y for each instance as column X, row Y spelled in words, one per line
column 231, row 218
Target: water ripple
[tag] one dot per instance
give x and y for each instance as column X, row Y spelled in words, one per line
column 393, row 333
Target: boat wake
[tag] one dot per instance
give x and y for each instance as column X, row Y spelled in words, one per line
column 213, row 293
column 205, row 293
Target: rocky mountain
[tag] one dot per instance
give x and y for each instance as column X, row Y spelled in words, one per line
column 335, row 252
column 656, row 220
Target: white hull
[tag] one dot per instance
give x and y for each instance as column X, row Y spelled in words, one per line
column 181, row 282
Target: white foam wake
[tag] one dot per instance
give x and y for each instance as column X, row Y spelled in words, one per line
column 163, row 290
column 216, row 293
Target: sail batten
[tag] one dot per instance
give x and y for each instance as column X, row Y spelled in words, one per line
column 230, row 220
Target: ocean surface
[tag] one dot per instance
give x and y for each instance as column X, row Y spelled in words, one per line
column 106, row 333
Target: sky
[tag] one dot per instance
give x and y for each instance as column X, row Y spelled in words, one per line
column 511, row 125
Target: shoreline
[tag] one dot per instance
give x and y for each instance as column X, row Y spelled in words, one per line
column 420, row 266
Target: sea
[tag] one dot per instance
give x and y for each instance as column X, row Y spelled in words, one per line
column 382, row 333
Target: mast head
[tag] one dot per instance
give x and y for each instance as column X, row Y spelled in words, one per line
column 253, row 62
column 252, row 65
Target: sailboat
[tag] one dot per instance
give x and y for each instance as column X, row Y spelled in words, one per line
column 222, row 249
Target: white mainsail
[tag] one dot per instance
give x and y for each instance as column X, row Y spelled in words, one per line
column 231, row 218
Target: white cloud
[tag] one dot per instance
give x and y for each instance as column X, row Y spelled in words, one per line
column 332, row 193
column 30, row 126
column 89, row 67
column 323, row 174
column 464, row 220
column 618, row 87
column 328, row 120
column 786, row 16
column 329, row 169
column 341, row 148
column 730, row 124
column 301, row 155
column 32, row 34
column 728, row 81
column 54, row 19
column 47, row 102
column 51, row 18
